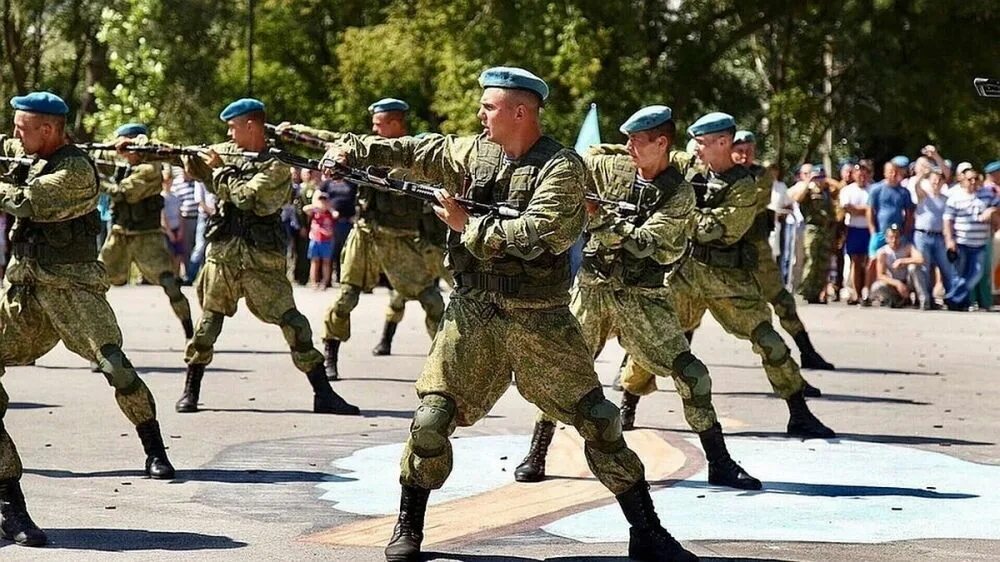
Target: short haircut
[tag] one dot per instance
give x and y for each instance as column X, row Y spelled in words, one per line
column 526, row 97
column 256, row 116
column 666, row 129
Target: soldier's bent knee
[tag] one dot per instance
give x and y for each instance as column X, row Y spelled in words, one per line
column 208, row 330
column 432, row 301
column 347, row 301
column 599, row 422
column 293, row 320
column 117, row 368
column 171, row 286
column 432, row 423
column 775, row 350
column 693, row 376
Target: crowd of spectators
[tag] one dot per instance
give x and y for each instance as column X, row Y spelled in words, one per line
column 921, row 236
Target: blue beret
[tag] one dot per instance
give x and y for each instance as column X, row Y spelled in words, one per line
column 388, row 104
column 40, row 102
column 712, row 123
column 131, row 130
column 744, row 136
column 513, row 79
column 900, row 161
column 241, row 107
column 993, row 167
column 646, row 118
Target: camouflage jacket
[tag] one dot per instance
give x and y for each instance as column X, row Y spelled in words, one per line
column 56, row 204
column 520, row 262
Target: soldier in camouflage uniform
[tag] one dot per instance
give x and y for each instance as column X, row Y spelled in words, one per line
column 57, row 288
column 136, row 233
column 620, row 289
column 767, row 274
column 245, row 256
column 719, row 275
column 509, row 313
column 389, row 238
column 816, row 203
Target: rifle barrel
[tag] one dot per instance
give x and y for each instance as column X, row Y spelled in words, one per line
column 23, row 160
column 295, row 136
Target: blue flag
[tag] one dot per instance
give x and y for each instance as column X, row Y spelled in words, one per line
column 590, row 131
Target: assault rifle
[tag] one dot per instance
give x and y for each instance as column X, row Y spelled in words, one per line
column 172, row 150
column 17, row 160
column 294, row 136
column 987, row 87
column 623, row 207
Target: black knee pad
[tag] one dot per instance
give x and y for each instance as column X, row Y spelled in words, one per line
column 599, row 422
column 432, row 423
column 293, row 320
column 693, row 382
column 117, row 368
column 775, row 350
column 208, row 330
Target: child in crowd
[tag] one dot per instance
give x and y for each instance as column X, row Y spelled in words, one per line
column 321, row 226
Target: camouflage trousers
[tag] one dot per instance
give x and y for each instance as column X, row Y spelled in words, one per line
column 268, row 295
column 148, row 251
column 34, row 318
column 477, row 350
column 369, row 252
column 769, row 279
column 818, row 247
column 748, row 318
column 434, row 256
column 646, row 326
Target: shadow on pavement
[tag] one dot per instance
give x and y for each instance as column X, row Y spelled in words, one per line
column 833, row 398
column 863, row 437
column 839, row 370
column 126, row 540
column 440, row 556
column 224, row 476
column 834, row 490
column 30, row 406
column 379, row 379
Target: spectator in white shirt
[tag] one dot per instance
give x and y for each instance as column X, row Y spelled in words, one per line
column 854, row 201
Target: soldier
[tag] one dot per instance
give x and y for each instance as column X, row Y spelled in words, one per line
column 57, row 288
column 620, row 290
column 246, row 258
column 509, row 313
column 816, row 203
column 389, row 239
column 136, row 233
column 767, row 274
column 719, row 276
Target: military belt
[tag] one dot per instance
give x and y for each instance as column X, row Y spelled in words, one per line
column 503, row 284
column 729, row 257
column 45, row 254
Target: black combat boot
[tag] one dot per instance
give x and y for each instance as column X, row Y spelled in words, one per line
column 325, row 400
column 811, row 359
column 158, row 465
column 532, row 468
column 384, row 346
column 802, row 422
column 648, row 540
column 722, row 469
column 192, row 389
column 629, row 403
column 332, row 349
column 188, row 328
column 404, row 546
column 15, row 523
column 810, row 391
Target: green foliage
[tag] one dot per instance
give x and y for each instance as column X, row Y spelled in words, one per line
column 901, row 69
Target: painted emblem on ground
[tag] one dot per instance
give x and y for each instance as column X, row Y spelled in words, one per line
column 838, row 491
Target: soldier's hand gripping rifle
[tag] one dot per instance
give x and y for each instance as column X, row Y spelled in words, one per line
column 18, row 171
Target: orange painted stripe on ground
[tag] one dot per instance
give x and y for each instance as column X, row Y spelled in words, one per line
column 570, row 484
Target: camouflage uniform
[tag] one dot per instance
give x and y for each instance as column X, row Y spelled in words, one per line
column 509, row 313
column 720, row 274
column 818, row 210
column 137, row 235
column 56, row 287
column 386, row 239
column 245, row 257
column 620, row 288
